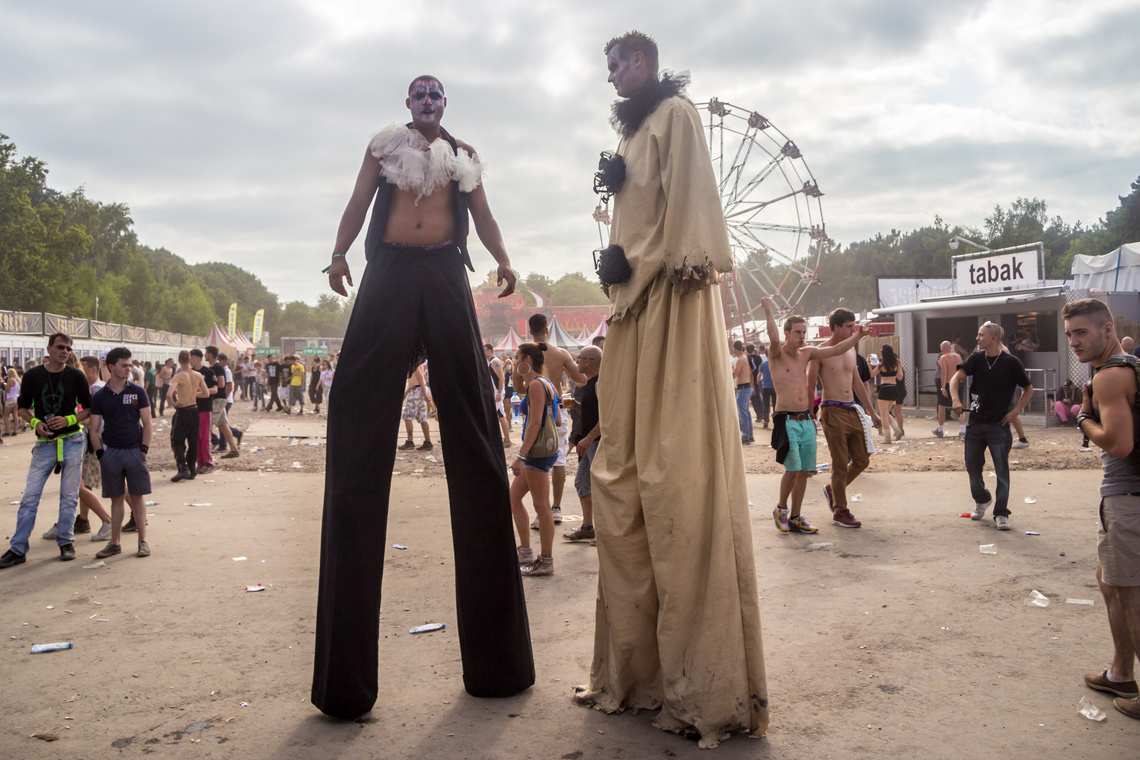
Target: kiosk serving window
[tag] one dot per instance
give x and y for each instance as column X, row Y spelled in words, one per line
column 1030, row 332
column 962, row 330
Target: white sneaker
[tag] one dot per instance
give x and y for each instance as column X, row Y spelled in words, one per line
column 1020, row 444
column 980, row 510
column 51, row 533
column 1002, row 522
column 104, row 533
column 557, row 512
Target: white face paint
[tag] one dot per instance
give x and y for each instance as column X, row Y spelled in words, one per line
column 426, row 103
column 626, row 75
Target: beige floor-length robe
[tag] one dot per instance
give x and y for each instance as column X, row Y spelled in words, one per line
column 678, row 619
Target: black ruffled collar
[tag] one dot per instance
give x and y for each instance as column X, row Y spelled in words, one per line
column 629, row 113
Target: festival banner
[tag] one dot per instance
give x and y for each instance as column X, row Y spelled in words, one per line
column 258, row 320
column 231, row 327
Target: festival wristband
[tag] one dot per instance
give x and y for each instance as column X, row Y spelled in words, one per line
column 520, row 457
column 335, row 256
column 35, row 423
column 144, row 448
column 71, row 421
column 1084, row 416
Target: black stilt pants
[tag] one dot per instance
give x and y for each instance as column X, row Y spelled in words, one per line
column 409, row 300
column 183, row 436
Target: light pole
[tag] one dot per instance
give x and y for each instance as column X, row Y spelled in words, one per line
column 959, row 239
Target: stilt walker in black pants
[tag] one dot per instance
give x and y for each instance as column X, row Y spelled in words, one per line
column 414, row 299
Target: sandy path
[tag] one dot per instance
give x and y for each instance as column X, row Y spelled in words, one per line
column 900, row 640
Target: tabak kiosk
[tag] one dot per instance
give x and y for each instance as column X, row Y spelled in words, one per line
column 1006, row 287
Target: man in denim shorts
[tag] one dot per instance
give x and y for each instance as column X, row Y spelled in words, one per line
column 121, row 442
column 585, row 441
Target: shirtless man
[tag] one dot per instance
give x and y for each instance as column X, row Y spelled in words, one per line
column 793, row 430
column 186, row 388
column 498, row 379
column 555, row 362
column 742, row 377
column 947, row 365
column 842, row 424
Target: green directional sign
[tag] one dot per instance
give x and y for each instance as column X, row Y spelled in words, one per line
column 318, row 351
column 263, row 350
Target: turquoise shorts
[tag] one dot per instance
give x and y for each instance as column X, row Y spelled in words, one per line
column 801, row 439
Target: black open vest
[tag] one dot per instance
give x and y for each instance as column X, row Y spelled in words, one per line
column 374, row 239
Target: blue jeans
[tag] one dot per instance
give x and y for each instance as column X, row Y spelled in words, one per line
column 43, row 463
column 998, row 439
column 743, row 397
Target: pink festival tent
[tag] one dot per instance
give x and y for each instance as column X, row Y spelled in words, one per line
column 219, row 337
column 510, row 343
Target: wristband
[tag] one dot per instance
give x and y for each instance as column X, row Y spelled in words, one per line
column 35, row 423
column 71, row 421
column 144, row 448
column 335, row 256
column 1084, row 416
column 520, row 458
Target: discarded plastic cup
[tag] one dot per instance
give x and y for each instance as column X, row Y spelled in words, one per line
column 1032, row 533
column 1091, row 711
column 857, row 497
column 399, row 546
column 988, row 549
column 1030, row 501
column 1037, row 599
column 428, row 628
column 58, row 646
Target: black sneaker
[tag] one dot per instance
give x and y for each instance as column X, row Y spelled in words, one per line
column 82, row 525
column 181, row 475
column 67, row 552
column 11, row 558
column 425, row 446
column 130, row 527
column 408, row 444
column 237, row 435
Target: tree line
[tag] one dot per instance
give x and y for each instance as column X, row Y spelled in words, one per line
column 847, row 275
column 59, row 252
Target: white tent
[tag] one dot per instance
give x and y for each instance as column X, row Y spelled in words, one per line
column 602, row 328
column 219, row 338
column 561, row 338
column 510, row 343
column 1115, row 272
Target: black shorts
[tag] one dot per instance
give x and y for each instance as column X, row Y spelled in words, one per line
column 888, row 392
column 124, row 471
column 944, row 398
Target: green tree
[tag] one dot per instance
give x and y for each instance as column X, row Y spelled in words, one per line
column 574, row 289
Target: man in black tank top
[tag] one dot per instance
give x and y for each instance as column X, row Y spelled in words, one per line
column 499, row 382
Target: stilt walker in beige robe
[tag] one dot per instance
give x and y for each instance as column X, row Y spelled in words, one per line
column 678, row 619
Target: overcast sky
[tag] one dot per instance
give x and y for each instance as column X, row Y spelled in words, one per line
column 234, row 130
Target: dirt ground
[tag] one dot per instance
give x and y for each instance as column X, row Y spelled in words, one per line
column 898, row 640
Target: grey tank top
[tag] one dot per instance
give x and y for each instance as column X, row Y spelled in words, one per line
column 1121, row 476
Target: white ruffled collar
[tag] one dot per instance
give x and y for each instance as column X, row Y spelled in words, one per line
column 411, row 163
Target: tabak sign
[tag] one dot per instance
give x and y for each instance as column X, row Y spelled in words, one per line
column 994, row 273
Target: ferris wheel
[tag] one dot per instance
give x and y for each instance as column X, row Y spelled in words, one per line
column 772, row 207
